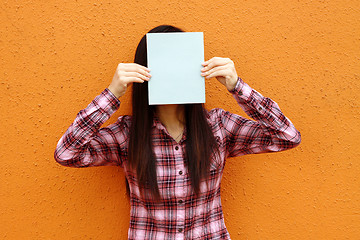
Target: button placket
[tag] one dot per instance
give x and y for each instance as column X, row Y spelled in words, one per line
column 180, row 172
column 180, row 190
column 181, row 206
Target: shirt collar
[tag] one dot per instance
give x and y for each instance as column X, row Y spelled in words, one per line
column 157, row 123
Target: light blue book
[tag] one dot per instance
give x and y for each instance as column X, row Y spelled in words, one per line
column 175, row 62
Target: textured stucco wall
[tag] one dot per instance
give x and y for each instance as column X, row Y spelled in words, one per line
column 56, row 56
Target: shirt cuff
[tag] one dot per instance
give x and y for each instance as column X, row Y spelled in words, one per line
column 241, row 90
column 108, row 101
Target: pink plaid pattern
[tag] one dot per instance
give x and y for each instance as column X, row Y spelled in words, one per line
column 180, row 215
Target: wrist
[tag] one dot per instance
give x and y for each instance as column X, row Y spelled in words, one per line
column 232, row 84
column 113, row 91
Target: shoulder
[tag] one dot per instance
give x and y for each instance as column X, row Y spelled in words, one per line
column 120, row 129
column 125, row 118
column 214, row 116
column 122, row 124
column 124, row 121
column 219, row 116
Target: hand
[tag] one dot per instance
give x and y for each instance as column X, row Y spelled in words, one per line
column 128, row 73
column 221, row 68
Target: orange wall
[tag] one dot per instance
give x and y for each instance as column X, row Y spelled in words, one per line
column 56, row 56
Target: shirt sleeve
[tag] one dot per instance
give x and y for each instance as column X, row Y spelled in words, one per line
column 271, row 131
column 85, row 144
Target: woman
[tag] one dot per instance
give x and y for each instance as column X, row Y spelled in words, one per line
column 173, row 156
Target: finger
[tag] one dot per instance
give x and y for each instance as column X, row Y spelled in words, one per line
column 211, row 59
column 217, row 62
column 134, row 67
column 205, row 63
column 146, row 73
column 214, row 70
column 141, row 66
column 208, row 61
column 133, row 80
column 137, row 74
column 213, row 65
column 221, row 73
column 143, row 72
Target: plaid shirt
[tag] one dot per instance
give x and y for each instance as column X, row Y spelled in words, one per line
column 180, row 215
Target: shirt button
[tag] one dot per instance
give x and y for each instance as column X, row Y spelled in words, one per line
column 180, row 229
column 240, row 93
column 180, row 201
column 177, row 148
column 180, row 172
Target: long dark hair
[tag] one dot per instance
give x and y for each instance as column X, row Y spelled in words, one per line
column 200, row 141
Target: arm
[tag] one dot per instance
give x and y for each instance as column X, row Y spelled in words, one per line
column 271, row 132
column 84, row 144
